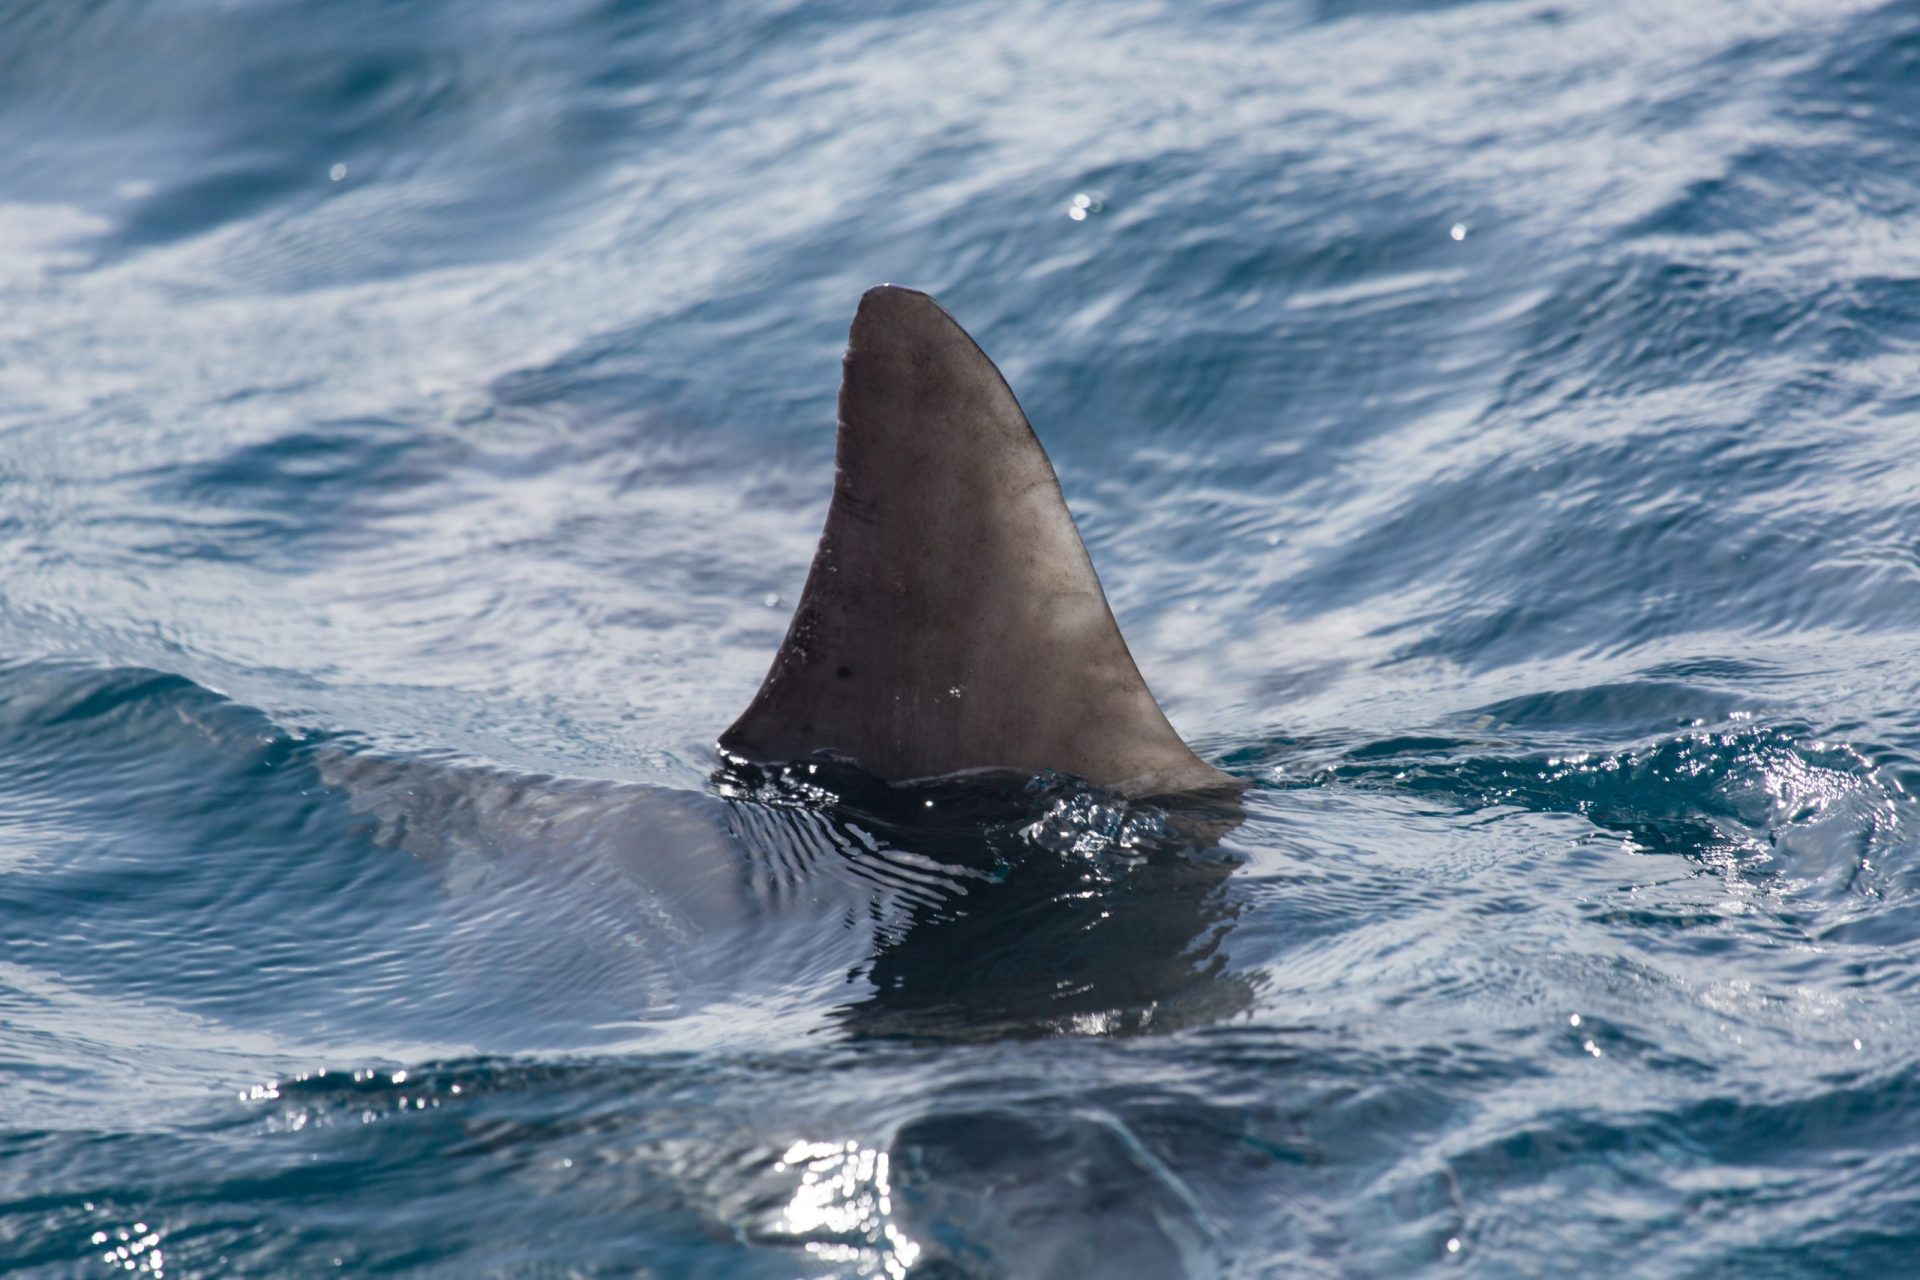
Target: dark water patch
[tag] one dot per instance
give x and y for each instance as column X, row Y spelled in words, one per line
column 960, row 1175
column 1742, row 788
column 215, row 125
column 182, row 890
column 1868, row 78
column 325, row 486
column 1608, row 712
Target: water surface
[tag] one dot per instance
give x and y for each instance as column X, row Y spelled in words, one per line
column 1491, row 422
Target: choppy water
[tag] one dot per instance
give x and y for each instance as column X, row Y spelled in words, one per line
column 1494, row 424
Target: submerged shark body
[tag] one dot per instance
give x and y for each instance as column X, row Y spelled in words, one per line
column 965, row 909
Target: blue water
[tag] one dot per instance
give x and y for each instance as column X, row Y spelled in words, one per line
column 1494, row 424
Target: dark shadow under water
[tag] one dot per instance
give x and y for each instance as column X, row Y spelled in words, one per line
column 1041, row 906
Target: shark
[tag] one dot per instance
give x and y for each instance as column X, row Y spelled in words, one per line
column 953, row 755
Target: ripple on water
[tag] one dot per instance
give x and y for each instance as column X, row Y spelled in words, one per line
column 1487, row 420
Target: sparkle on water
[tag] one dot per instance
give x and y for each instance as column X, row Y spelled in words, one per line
column 842, row 1208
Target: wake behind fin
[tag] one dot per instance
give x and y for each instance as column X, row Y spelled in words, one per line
column 952, row 620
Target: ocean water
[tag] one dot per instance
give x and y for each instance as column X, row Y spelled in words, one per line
column 1495, row 425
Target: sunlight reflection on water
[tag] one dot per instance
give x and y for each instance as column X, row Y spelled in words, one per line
column 842, row 1209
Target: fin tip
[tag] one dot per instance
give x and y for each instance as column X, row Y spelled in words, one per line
column 892, row 304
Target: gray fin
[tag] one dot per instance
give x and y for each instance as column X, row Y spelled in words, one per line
column 952, row 620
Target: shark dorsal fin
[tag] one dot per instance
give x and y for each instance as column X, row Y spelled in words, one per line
column 952, row 620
